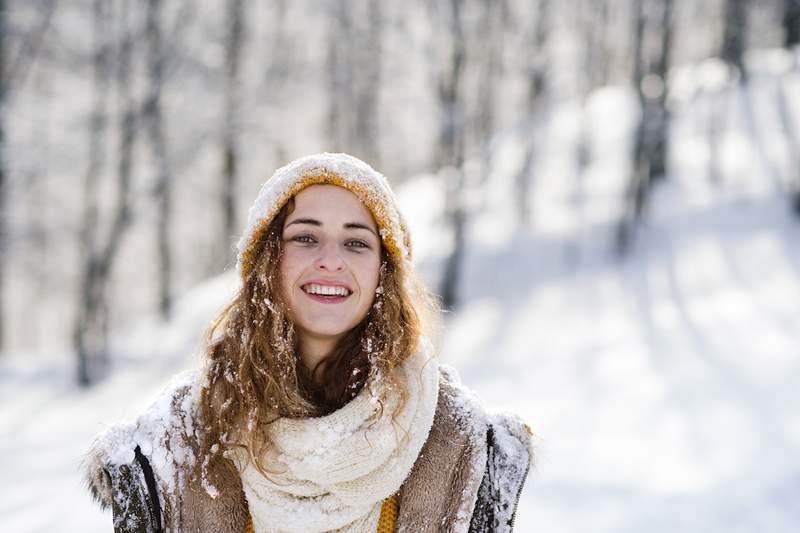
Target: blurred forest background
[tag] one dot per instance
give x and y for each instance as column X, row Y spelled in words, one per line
column 133, row 135
column 606, row 195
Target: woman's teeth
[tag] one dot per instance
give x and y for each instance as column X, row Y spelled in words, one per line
column 326, row 290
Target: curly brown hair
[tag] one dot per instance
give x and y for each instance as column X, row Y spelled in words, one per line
column 253, row 372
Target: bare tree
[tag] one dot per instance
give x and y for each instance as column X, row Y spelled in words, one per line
column 367, row 107
column 450, row 153
column 791, row 27
column 595, row 21
column 232, row 122
column 450, row 149
column 3, row 171
column 340, row 75
column 791, row 23
column 354, row 76
column 86, row 328
column 491, row 34
column 650, row 141
column 734, row 34
column 91, row 329
column 659, row 119
column 14, row 68
column 537, row 75
column 155, row 125
column 732, row 52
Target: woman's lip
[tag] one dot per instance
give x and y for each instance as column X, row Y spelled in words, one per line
column 332, row 299
column 329, row 283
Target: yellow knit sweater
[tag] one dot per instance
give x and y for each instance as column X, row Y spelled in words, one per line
column 385, row 522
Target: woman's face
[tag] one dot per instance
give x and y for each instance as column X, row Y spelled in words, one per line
column 329, row 267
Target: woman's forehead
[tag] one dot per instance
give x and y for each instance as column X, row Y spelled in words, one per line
column 330, row 203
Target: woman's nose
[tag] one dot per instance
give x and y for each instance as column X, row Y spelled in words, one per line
column 329, row 258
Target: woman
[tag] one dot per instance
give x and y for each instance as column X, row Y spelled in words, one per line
column 321, row 406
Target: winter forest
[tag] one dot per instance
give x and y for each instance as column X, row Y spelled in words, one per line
column 604, row 194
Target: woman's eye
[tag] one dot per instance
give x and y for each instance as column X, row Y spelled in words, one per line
column 357, row 244
column 304, row 239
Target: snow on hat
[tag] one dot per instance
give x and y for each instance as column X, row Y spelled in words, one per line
column 343, row 170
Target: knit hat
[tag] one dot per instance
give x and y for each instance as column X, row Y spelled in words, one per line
column 346, row 171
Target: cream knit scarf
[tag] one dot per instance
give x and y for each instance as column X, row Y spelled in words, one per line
column 333, row 472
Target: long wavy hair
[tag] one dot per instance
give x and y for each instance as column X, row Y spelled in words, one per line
column 255, row 375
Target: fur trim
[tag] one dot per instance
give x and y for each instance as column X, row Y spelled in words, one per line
column 97, row 478
column 512, row 455
column 346, row 171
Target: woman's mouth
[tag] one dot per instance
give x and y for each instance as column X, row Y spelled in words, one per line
column 326, row 293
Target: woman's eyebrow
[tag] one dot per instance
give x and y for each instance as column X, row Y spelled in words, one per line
column 358, row 225
column 347, row 225
column 312, row 221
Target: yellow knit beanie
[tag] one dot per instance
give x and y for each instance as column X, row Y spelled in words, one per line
column 346, row 171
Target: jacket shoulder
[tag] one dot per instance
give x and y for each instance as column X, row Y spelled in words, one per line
column 508, row 460
column 122, row 487
column 162, row 438
column 442, row 489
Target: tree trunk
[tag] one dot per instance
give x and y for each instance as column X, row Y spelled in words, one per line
column 491, row 34
column 367, row 108
column 637, row 183
column 792, row 139
column 537, row 76
column 340, row 76
column 652, row 132
column 791, row 23
column 451, row 150
column 84, row 328
column 659, row 146
column 594, row 22
column 451, row 130
column 91, row 331
column 457, row 220
column 791, row 28
column 3, row 171
column 158, row 143
column 734, row 35
column 230, row 132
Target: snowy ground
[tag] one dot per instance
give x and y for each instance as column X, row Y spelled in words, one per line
column 662, row 387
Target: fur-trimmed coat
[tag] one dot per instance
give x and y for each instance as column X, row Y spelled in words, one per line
column 467, row 478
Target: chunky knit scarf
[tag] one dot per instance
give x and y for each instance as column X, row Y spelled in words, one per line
column 332, row 473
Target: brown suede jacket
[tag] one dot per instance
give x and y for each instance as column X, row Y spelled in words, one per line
column 467, row 478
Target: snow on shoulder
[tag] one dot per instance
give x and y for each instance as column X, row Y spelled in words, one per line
column 164, row 433
column 503, row 444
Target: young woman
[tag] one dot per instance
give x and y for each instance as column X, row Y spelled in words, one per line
column 321, row 406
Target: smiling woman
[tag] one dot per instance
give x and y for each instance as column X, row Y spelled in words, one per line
column 320, row 406
column 329, row 269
